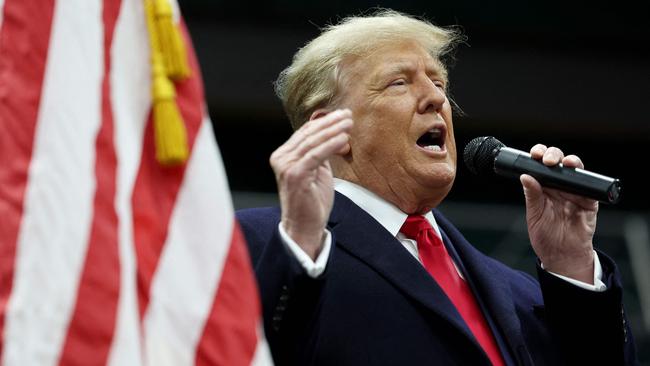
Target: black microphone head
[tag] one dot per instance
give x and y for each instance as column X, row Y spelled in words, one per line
column 479, row 154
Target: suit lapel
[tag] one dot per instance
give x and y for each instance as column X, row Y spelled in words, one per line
column 488, row 282
column 359, row 234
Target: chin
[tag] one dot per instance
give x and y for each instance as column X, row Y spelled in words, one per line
column 440, row 178
column 433, row 190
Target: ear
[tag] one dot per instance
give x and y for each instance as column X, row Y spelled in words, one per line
column 319, row 113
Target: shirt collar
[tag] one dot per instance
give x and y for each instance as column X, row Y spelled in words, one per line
column 384, row 212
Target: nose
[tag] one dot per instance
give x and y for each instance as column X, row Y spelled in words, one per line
column 431, row 98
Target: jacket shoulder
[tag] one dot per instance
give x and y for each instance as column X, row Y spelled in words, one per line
column 258, row 226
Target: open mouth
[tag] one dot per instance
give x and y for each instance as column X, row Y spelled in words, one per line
column 433, row 139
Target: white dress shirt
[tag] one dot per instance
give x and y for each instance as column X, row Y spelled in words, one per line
column 392, row 219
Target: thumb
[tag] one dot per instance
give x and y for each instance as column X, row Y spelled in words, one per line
column 533, row 193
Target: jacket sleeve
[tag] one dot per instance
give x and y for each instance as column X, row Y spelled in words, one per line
column 290, row 297
column 590, row 327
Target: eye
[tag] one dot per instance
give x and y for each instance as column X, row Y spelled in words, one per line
column 398, row 82
column 440, row 84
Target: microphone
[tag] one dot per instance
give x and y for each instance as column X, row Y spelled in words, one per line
column 486, row 154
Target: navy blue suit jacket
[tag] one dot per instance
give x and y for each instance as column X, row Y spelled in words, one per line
column 376, row 305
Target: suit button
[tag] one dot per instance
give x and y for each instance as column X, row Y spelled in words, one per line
column 280, row 308
column 275, row 322
column 284, row 297
column 624, row 325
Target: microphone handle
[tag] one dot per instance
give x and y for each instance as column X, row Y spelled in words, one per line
column 512, row 163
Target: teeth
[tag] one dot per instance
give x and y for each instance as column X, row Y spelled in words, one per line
column 435, row 132
column 433, row 148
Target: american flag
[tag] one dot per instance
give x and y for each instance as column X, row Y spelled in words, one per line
column 106, row 256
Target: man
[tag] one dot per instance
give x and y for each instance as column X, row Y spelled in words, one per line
column 369, row 274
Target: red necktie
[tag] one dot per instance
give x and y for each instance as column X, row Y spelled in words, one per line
column 438, row 263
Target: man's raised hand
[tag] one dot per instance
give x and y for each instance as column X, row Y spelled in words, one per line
column 304, row 177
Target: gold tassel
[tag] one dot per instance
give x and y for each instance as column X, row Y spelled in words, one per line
column 171, row 42
column 169, row 129
column 170, row 135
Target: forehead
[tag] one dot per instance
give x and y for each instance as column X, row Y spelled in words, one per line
column 398, row 57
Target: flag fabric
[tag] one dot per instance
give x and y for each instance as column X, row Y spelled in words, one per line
column 107, row 256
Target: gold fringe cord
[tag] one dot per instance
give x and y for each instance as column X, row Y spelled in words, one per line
column 171, row 42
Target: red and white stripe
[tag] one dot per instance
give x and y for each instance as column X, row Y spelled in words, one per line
column 105, row 256
column 2, row 4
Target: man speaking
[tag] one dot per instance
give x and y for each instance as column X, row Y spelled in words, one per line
column 357, row 267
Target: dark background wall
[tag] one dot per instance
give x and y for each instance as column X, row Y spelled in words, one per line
column 570, row 74
column 574, row 75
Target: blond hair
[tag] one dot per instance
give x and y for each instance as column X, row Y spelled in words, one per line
column 312, row 79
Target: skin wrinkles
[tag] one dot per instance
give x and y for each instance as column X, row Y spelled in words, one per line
column 406, row 70
column 391, row 97
column 397, row 96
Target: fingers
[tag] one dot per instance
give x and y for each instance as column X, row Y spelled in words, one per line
column 311, row 145
column 573, row 161
column 537, row 151
column 552, row 156
column 313, row 126
column 316, row 156
column 533, row 193
column 324, row 137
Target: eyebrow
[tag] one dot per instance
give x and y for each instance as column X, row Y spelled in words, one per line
column 403, row 67
column 395, row 69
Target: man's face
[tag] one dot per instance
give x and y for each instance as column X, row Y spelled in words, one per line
column 402, row 144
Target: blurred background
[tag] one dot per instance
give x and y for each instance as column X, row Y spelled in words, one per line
column 570, row 74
